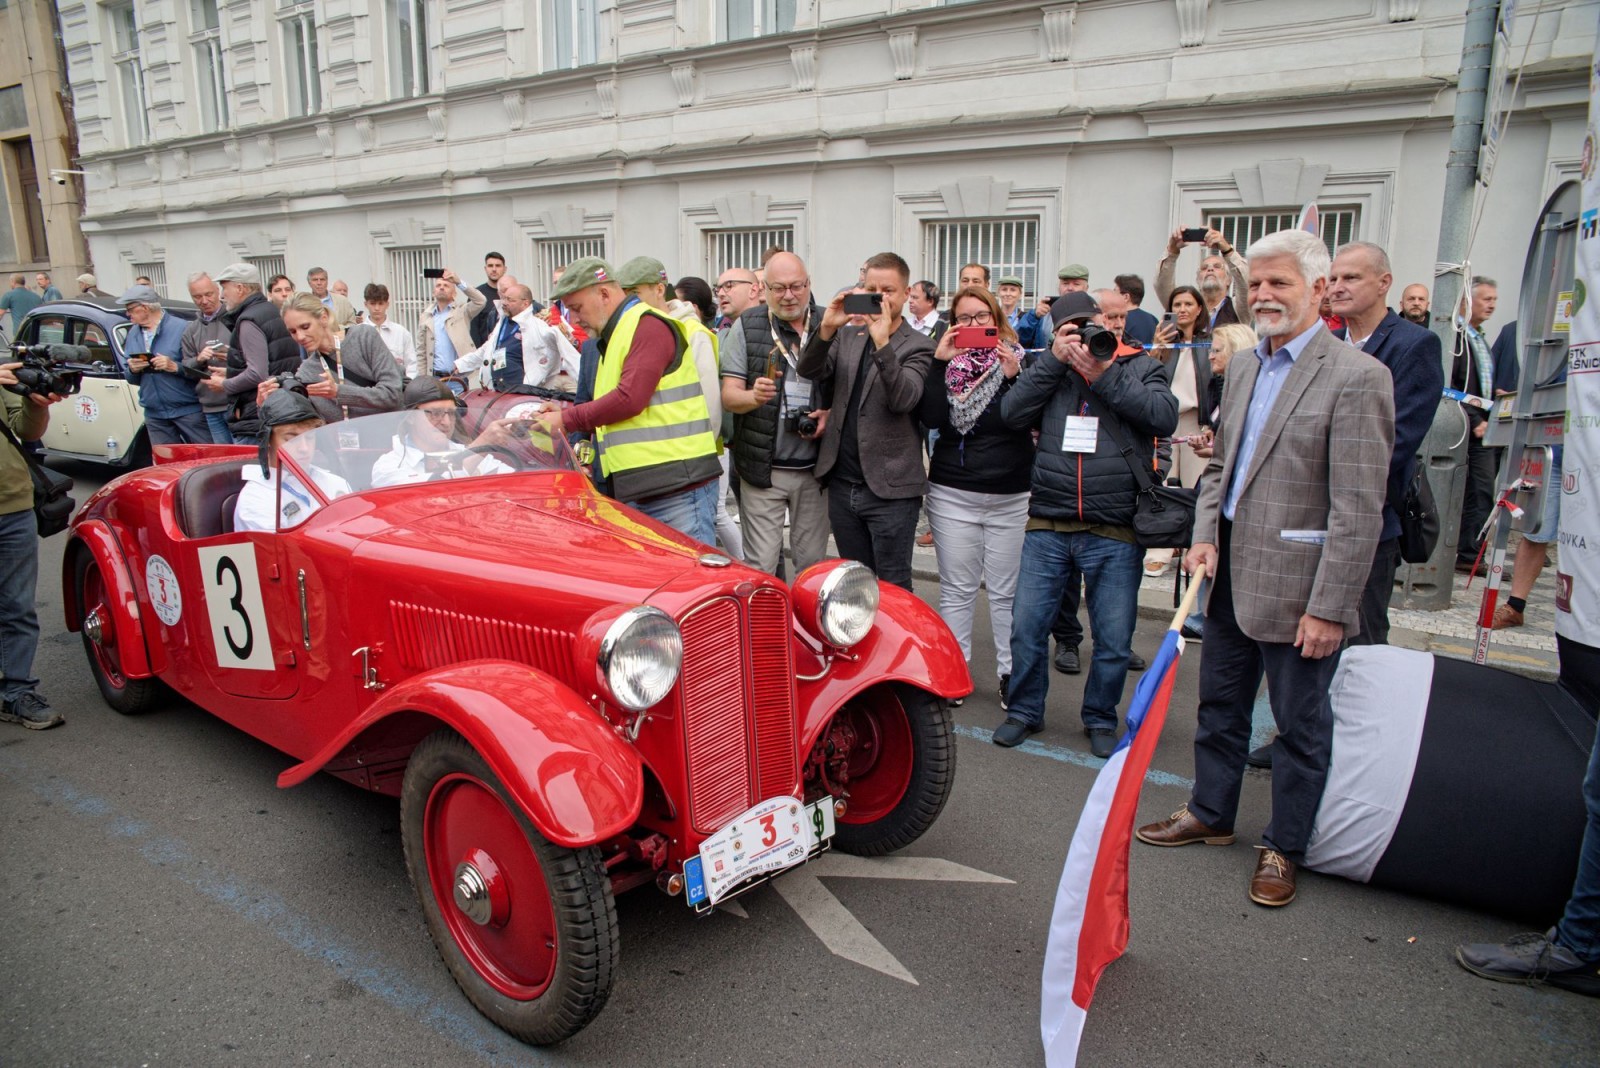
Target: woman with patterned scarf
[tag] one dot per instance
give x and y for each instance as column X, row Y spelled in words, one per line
column 979, row 476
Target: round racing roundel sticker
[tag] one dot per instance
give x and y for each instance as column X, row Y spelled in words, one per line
column 86, row 409
column 525, row 410
column 162, row 585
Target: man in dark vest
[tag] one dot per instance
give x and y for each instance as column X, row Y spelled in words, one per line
column 259, row 347
column 778, row 420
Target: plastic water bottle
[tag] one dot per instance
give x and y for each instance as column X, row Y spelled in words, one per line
column 113, row 450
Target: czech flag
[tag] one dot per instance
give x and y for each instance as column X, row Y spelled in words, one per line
column 1089, row 929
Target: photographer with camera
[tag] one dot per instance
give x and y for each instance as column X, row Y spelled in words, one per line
column 26, row 416
column 154, row 348
column 1094, row 399
column 1220, row 279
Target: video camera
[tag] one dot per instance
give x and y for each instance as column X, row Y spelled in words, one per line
column 43, row 370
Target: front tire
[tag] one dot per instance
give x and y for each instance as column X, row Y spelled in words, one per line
column 128, row 696
column 901, row 770
column 527, row 928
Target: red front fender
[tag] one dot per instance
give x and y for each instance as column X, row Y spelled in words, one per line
column 909, row 643
column 95, row 538
column 574, row 778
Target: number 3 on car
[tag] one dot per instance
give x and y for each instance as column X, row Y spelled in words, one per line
column 232, row 587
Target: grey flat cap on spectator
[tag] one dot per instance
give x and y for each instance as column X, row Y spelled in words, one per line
column 238, row 272
column 1009, row 280
column 581, row 274
column 140, row 294
column 641, row 271
column 86, row 280
column 1071, row 271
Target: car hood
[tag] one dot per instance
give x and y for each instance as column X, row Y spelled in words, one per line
column 567, row 542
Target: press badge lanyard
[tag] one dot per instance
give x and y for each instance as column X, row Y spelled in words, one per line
column 1082, row 431
column 783, row 350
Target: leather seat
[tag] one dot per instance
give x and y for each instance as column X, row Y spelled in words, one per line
column 206, row 497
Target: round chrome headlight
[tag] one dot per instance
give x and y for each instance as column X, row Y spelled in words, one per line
column 640, row 656
column 847, row 604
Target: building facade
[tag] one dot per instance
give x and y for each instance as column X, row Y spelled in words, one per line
column 39, row 226
column 379, row 137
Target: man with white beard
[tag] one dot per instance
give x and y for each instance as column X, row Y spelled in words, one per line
column 1221, row 278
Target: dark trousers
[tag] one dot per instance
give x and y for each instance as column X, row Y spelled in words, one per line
column 1231, row 668
column 1374, row 610
column 191, row 429
column 1067, row 628
column 877, row 531
column 1478, row 500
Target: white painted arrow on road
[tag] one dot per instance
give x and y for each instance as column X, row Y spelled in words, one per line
column 840, row 931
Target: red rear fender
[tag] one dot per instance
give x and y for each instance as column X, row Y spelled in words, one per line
column 909, row 643
column 574, row 778
column 96, row 539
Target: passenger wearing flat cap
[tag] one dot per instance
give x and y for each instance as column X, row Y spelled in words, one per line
column 429, row 445
column 1087, row 410
column 284, row 415
column 154, row 346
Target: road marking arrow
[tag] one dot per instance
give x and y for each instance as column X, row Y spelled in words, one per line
column 839, row 930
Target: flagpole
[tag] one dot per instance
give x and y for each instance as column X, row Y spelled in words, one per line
column 1189, row 597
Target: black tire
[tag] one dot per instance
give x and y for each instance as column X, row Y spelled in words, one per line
column 579, row 894
column 131, row 697
column 933, row 773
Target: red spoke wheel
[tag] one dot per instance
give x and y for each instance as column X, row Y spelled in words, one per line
column 527, row 928
column 902, row 767
column 101, row 642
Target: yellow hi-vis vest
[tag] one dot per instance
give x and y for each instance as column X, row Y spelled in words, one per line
column 675, row 425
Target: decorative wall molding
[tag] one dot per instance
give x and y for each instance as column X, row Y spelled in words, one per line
column 683, row 83
column 180, row 162
column 367, row 131
column 514, row 109
column 325, row 138
column 605, row 90
column 567, row 221
column 268, row 149
column 436, row 117
column 257, row 244
column 1274, row 183
column 903, row 49
column 409, row 232
column 230, row 148
column 1403, row 10
column 1056, row 28
column 152, row 163
column 975, row 197
column 1192, row 22
column 803, row 61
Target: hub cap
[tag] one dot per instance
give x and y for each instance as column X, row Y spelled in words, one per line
column 472, row 894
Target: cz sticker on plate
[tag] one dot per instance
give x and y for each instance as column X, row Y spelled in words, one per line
column 776, row 834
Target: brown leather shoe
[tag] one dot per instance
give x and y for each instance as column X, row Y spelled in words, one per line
column 1505, row 616
column 1181, row 829
column 1273, row 883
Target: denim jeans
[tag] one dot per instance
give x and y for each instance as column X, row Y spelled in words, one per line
column 1579, row 929
column 218, row 422
column 19, row 622
column 191, row 429
column 692, row 511
column 1111, row 570
column 877, row 531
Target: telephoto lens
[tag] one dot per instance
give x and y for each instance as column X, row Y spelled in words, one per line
column 1102, row 343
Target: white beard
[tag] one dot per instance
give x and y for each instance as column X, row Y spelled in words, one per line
column 1210, row 286
column 1283, row 327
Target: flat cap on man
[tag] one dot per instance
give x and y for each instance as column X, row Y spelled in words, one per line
column 239, row 272
column 1072, row 271
column 583, row 273
column 86, row 280
column 139, row 294
column 1009, row 280
column 641, row 271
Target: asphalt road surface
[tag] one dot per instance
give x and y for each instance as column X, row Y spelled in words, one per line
column 167, row 905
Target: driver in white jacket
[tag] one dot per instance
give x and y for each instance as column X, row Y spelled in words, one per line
column 428, row 448
column 521, row 348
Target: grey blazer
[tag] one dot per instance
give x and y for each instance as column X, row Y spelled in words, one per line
column 886, row 425
column 1321, row 464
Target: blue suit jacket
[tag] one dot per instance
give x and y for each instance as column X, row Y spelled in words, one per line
column 1507, row 360
column 1414, row 358
column 1141, row 327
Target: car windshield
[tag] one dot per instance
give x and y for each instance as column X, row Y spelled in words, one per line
column 424, row 445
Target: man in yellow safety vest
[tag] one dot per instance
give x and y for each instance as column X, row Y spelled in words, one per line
column 652, row 428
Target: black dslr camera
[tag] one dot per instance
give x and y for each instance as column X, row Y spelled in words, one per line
column 1102, row 343
column 800, row 423
column 43, row 371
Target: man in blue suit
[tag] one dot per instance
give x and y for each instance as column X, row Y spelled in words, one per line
column 1358, row 289
column 1141, row 325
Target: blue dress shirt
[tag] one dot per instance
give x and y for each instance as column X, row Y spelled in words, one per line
column 1274, row 371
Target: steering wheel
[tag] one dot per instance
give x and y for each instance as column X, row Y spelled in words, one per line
column 501, row 453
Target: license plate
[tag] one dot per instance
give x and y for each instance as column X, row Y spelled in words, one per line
column 776, row 834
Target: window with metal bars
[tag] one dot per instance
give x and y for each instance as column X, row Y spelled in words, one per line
column 301, row 71
column 1337, row 225
column 206, row 44
column 408, row 47
column 743, row 248
column 269, row 266
column 129, row 61
column 552, row 254
column 1005, row 246
column 408, row 290
column 156, row 272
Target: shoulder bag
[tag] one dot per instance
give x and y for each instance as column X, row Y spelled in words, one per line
column 1163, row 516
column 52, row 499
column 1419, row 519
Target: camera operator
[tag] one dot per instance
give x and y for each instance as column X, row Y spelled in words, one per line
column 154, row 347
column 26, row 418
column 1094, row 394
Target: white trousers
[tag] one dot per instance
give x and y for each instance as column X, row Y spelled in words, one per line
column 728, row 532
column 978, row 538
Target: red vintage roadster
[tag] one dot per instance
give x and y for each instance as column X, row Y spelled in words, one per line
column 569, row 699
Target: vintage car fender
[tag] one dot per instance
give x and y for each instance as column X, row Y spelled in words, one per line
column 909, row 643
column 574, row 778
column 96, row 538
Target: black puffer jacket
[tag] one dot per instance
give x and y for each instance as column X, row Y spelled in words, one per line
column 1094, row 487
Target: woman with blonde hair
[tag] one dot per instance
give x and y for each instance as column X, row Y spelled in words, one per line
column 345, row 376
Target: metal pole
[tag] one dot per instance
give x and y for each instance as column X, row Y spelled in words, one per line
column 1444, row 451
